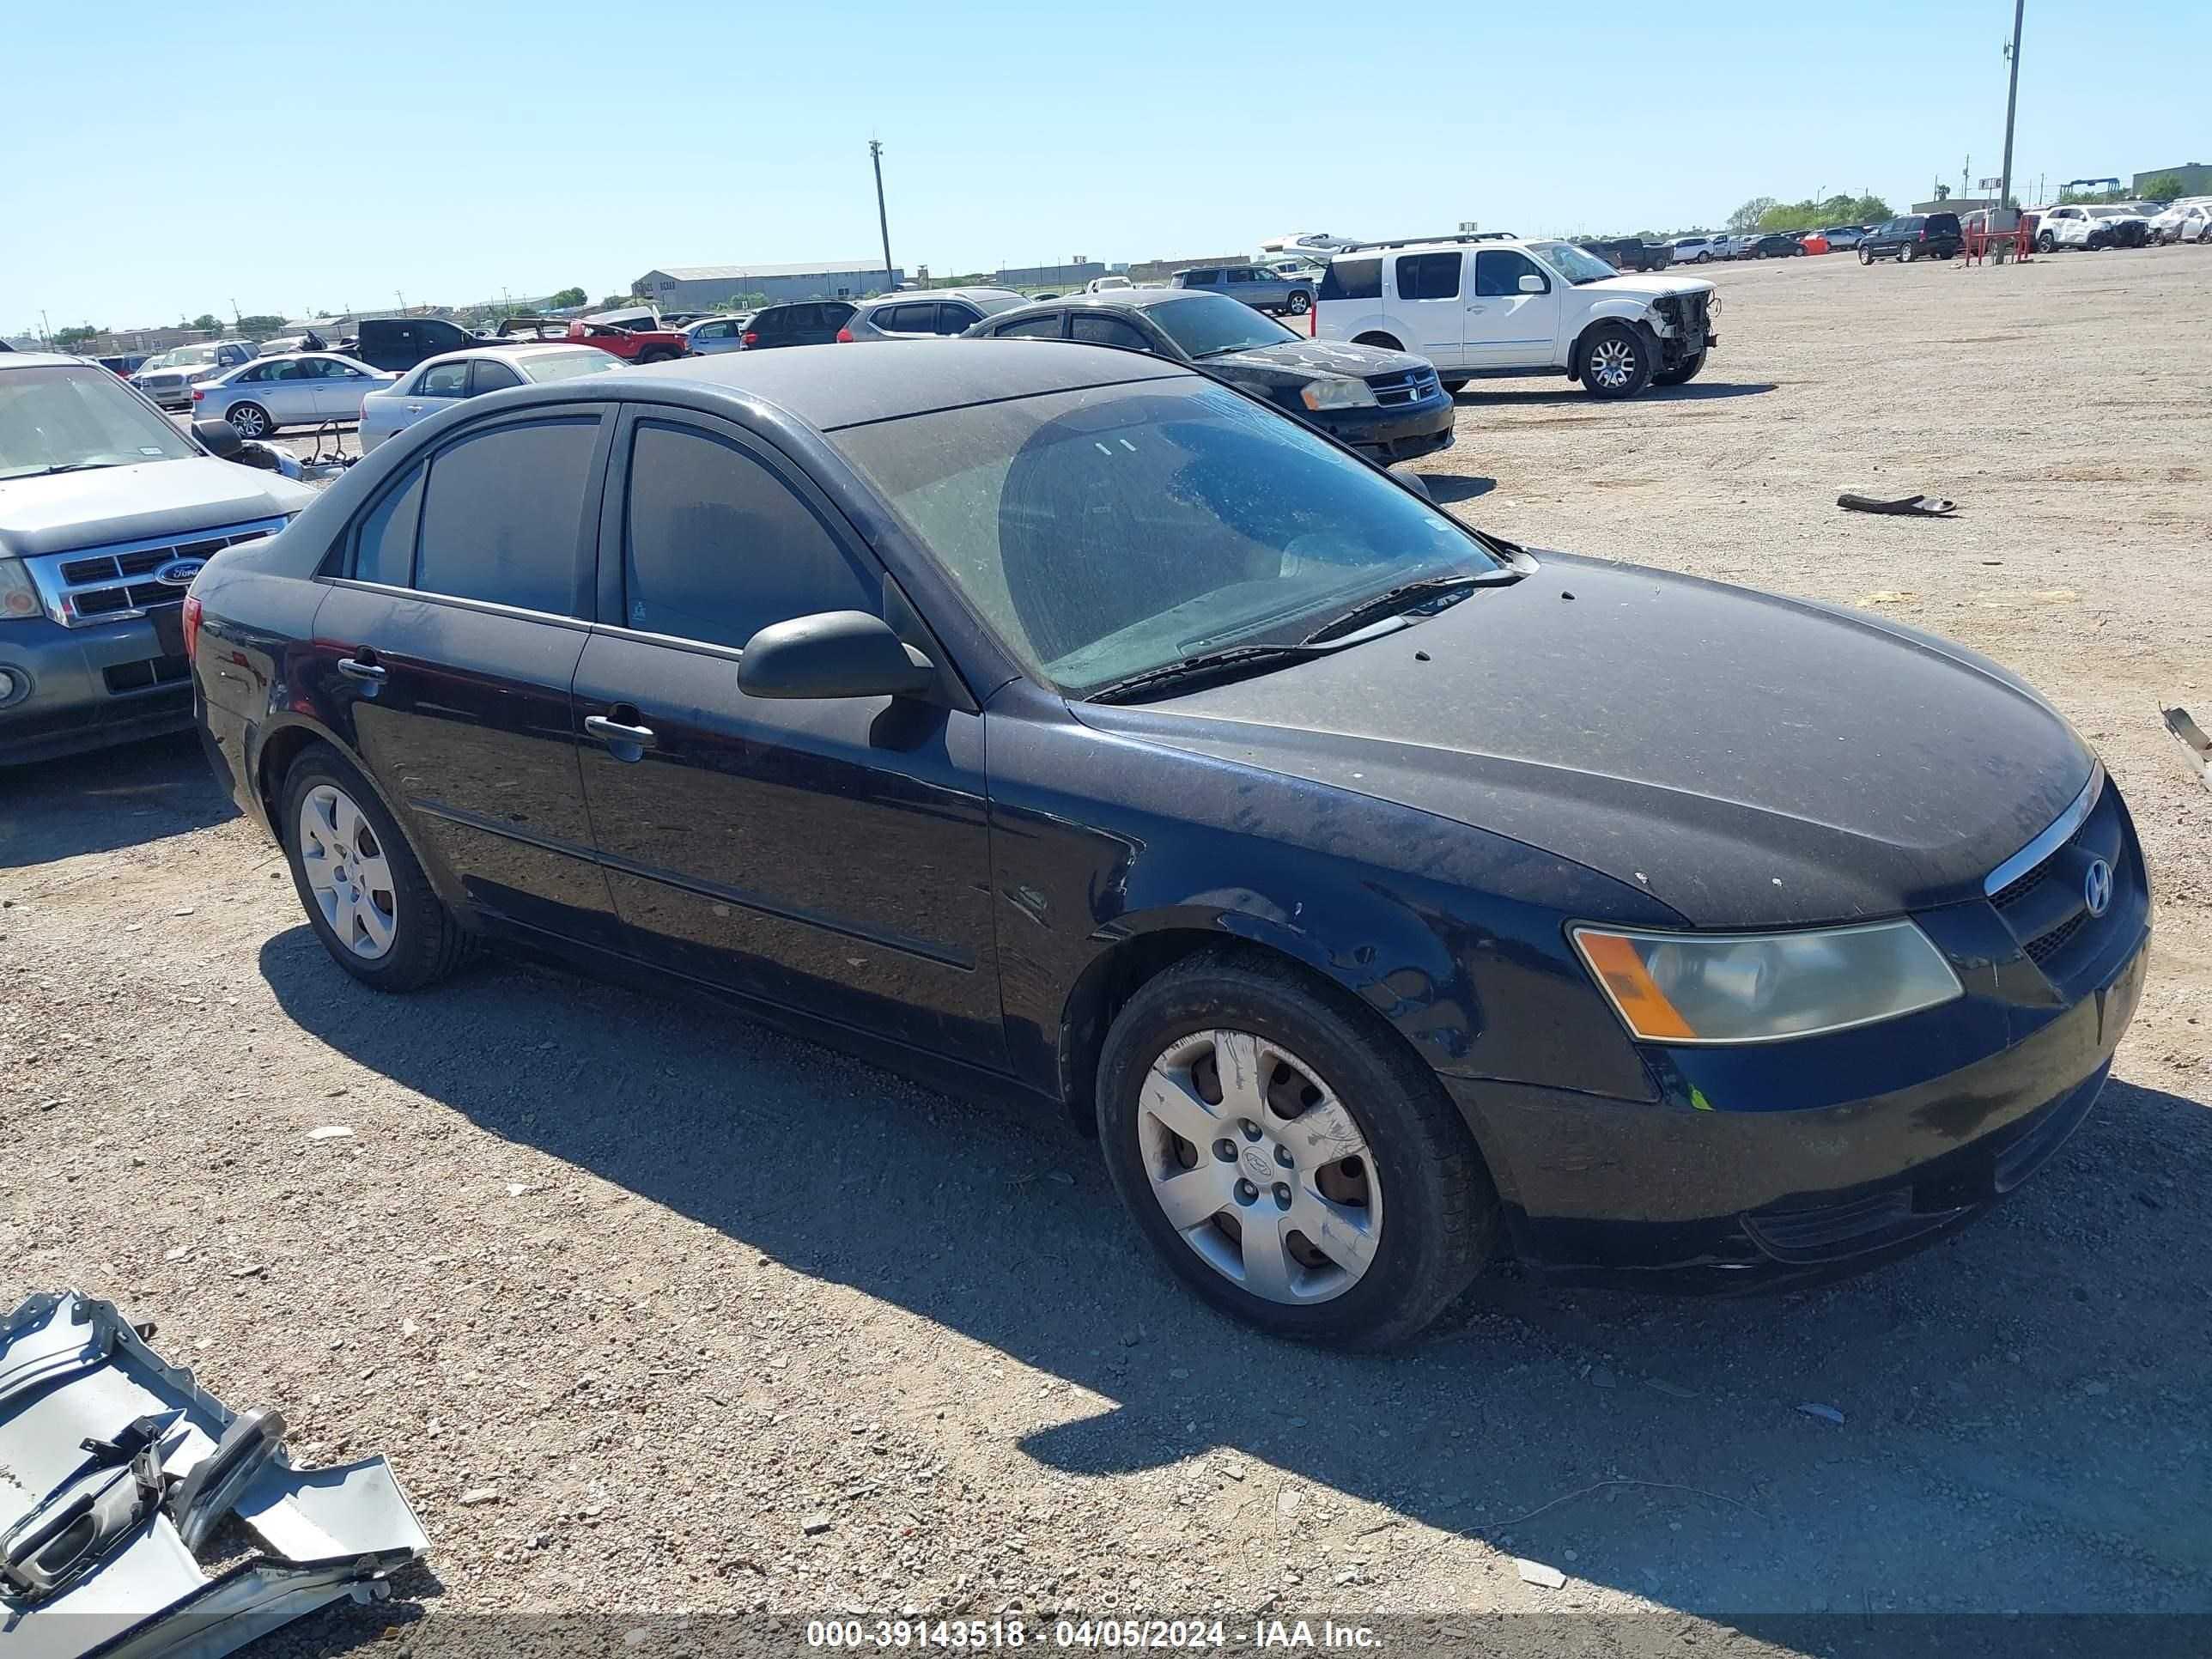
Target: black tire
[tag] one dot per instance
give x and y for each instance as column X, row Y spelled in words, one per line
column 1703, row 259
column 1441, row 1213
column 1865, row 258
column 1387, row 342
column 2046, row 243
column 1452, row 388
column 1682, row 373
column 1906, row 254
column 1635, row 354
column 428, row 942
column 656, row 355
column 1301, row 303
column 250, row 420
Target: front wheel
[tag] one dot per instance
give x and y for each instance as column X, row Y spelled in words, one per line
column 1301, row 304
column 1613, row 361
column 1682, row 373
column 1297, row 1167
column 365, row 894
column 1906, row 254
column 249, row 421
column 1452, row 388
column 1865, row 258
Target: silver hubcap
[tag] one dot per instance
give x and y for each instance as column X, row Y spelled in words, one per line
column 1613, row 365
column 247, row 420
column 1256, row 1163
column 347, row 872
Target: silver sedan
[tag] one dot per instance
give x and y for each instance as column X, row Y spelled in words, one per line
column 444, row 381
column 301, row 388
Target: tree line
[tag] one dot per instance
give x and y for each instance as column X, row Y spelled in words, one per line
column 1766, row 213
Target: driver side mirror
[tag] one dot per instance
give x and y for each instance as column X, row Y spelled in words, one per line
column 219, row 438
column 1532, row 283
column 833, row 654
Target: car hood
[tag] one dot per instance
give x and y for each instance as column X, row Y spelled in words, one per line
column 1307, row 359
column 1647, row 284
column 1750, row 761
column 128, row 503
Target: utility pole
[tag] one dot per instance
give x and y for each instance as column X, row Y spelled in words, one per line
column 46, row 329
column 883, row 219
column 2012, row 101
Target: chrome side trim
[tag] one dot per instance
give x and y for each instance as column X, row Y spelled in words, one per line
column 2060, row 832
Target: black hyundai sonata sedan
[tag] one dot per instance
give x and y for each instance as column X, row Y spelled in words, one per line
column 1386, row 894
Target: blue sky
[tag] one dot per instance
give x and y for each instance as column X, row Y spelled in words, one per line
column 214, row 153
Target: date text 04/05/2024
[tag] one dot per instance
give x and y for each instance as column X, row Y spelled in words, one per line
column 1096, row 1634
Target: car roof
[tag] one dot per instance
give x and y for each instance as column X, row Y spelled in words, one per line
column 498, row 354
column 922, row 296
column 830, row 386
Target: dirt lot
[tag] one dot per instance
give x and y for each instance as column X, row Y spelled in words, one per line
column 661, row 1313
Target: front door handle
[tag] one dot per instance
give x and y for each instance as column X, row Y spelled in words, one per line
column 614, row 731
column 363, row 667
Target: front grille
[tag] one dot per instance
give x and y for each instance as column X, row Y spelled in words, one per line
column 1396, row 390
column 85, row 585
column 147, row 675
column 2046, row 908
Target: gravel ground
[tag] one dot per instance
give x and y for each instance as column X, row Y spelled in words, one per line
column 659, row 1313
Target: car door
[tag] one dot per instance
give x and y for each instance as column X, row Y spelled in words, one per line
column 431, row 389
column 1506, row 326
column 445, row 651
column 828, row 855
column 709, row 338
column 339, row 388
column 286, row 392
column 1429, row 309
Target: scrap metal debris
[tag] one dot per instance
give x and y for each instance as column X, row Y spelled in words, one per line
column 2193, row 742
column 1920, row 507
column 118, row 1467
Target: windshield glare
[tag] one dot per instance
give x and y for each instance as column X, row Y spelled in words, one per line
column 1572, row 263
column 1106, row 532
column 53, row 418
column 1210, row 324
column 567, row 365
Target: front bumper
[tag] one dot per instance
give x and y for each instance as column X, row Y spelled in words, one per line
column 89, row 687
column 1658, row 1196
column 1393, row 435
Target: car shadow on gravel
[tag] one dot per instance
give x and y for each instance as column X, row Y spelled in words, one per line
column 1698, row 392
column 122, row 797
column 2016, row 1419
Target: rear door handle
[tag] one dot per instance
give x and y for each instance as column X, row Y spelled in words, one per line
column 607, row 731
column 361, row 668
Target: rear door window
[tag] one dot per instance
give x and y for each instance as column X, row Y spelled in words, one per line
column 1429, row 275
column 906, row 319
column 716, row 547
column 954, row 318
column 1046, row 327
column 488, row 376
column 444, row 380
column 1102, row 329
column 502, row 516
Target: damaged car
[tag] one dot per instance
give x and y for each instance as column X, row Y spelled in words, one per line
column 1385, row 896
column 1488, row 304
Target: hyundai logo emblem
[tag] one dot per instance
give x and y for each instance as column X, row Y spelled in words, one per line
column 2097, row 887
column 178, row 573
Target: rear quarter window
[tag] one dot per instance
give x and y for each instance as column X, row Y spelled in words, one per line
column 1353, row 279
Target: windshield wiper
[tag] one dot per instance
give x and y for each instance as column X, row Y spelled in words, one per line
column 1405, row 597
column 69, row 466
column 1207, row 664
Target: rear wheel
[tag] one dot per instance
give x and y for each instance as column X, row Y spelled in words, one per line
column 1614, row 361
column 249, row 421
column 1300, row 304
column 656, row 355
column 1254, row 1127
column 2044, row 243
column 365, row 894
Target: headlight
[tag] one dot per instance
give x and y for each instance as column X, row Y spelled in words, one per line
column 18, row 601
column 1760, row 988
column 1336, row 394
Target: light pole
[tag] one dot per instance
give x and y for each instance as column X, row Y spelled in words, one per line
column 883, row 219
column 2012, row 102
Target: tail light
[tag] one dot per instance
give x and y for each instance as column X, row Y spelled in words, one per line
column 751, row 338
column 192, row 626
column 844, row 337
column 198, row 396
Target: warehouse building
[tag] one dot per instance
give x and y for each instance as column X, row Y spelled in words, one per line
column 2196, row 178
column 1074, row 274
column 705, row 288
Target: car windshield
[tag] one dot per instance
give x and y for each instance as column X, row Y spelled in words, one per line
column 2112, row 213
column 186, row 357
column 1571, row 263
column 1110, row 531
column 567, row 365
column 66, row 419
column 1214, row 325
